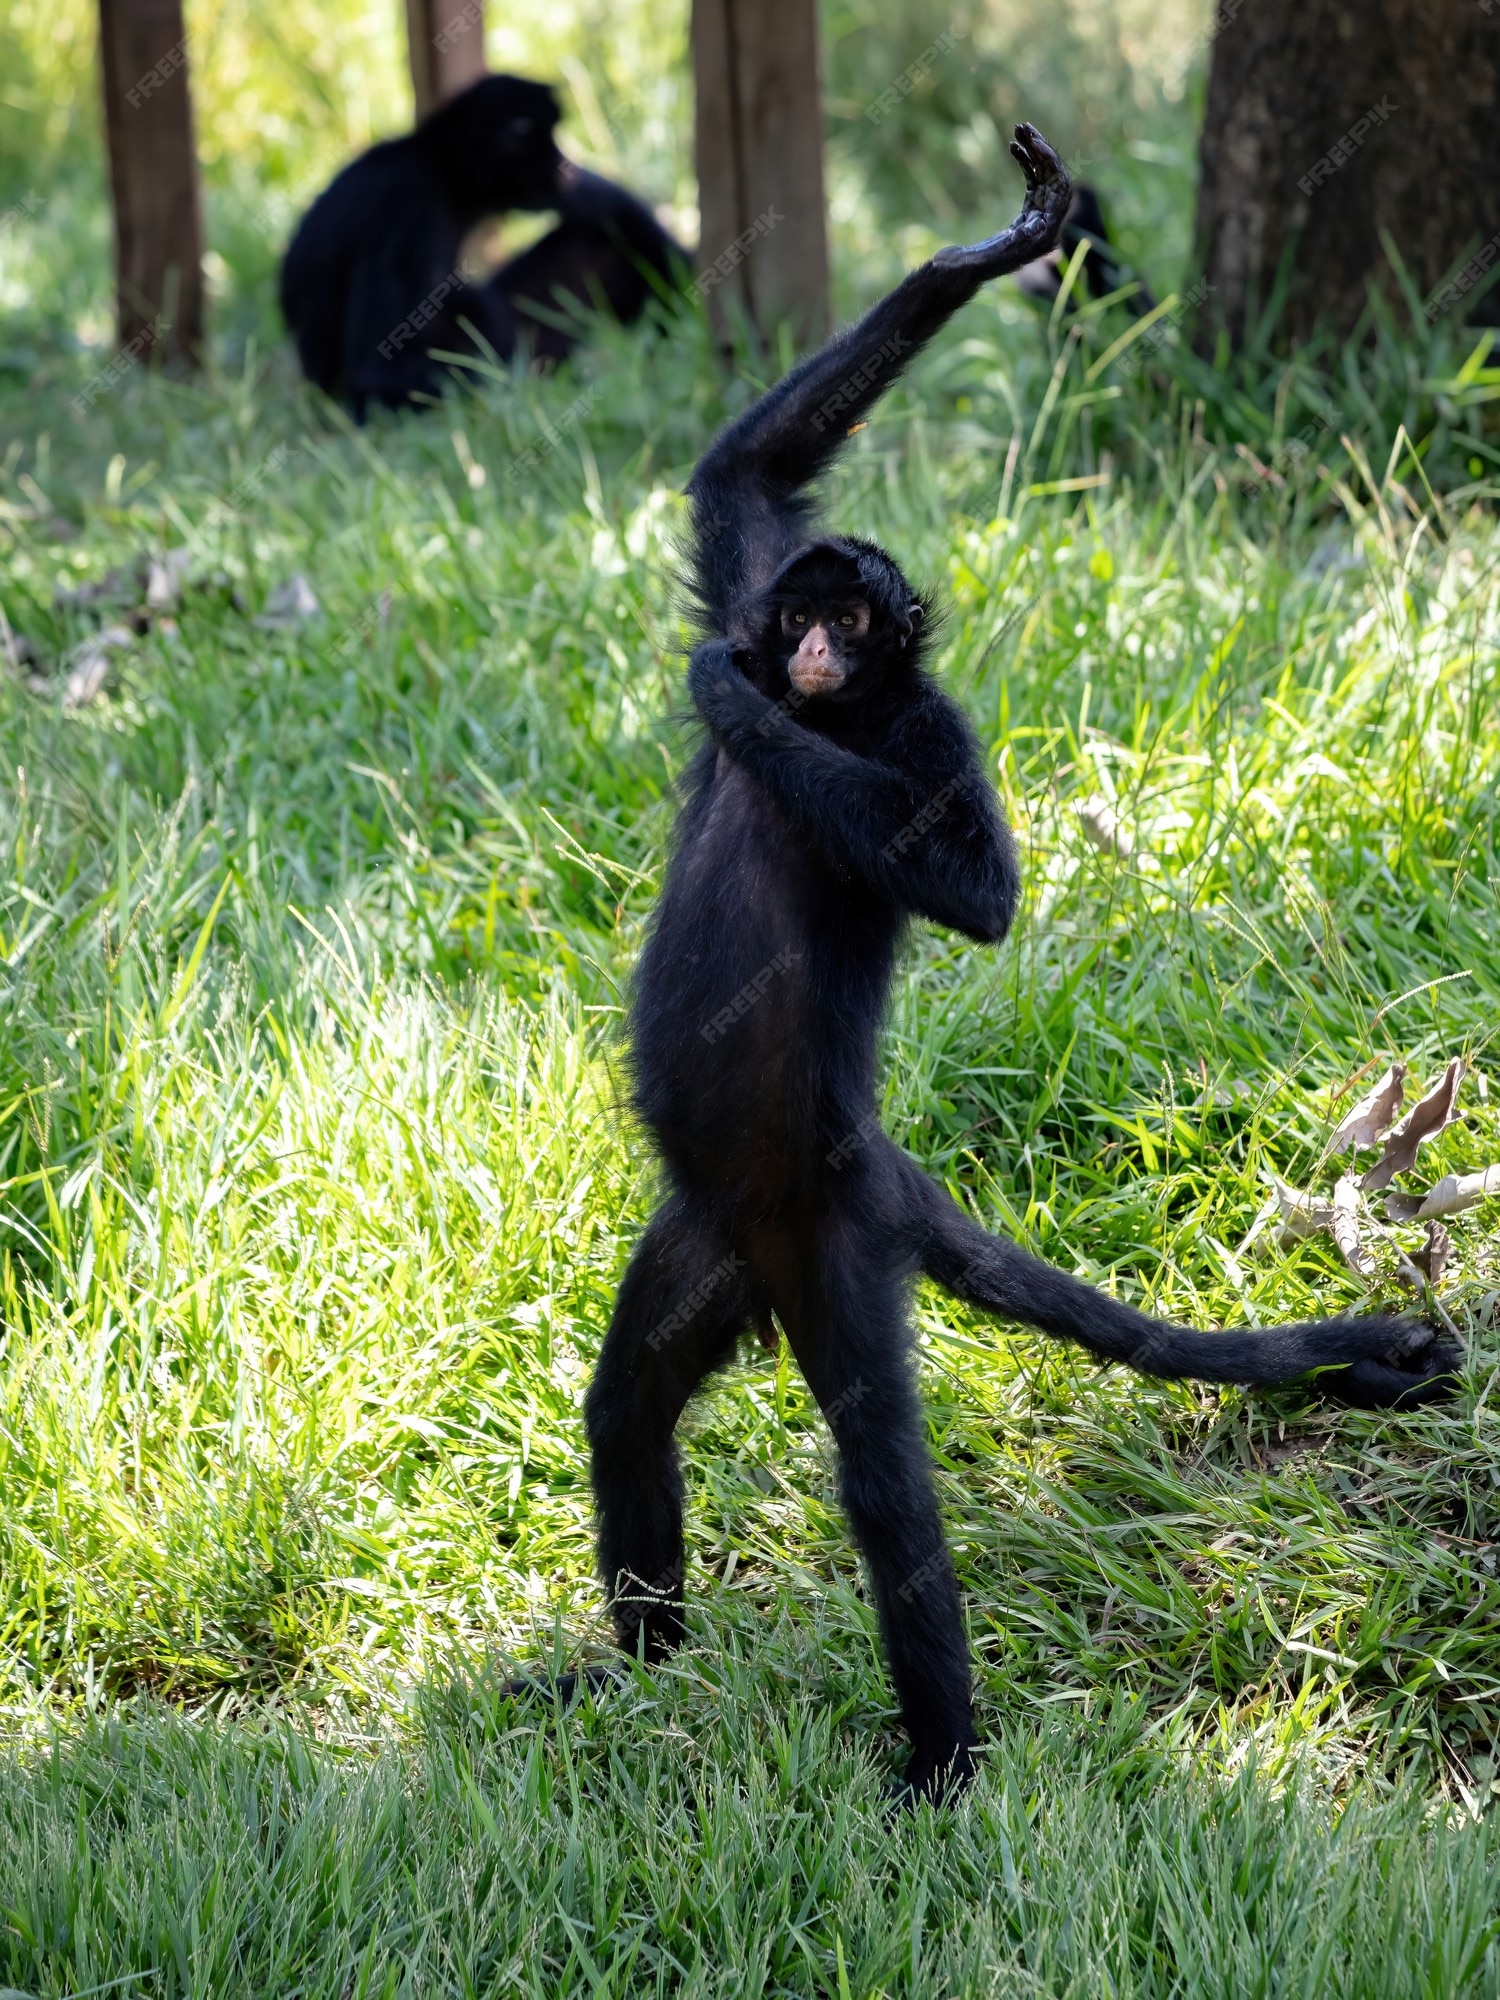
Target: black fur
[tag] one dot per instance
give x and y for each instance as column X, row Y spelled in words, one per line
column 815, row 827
column 370, row 286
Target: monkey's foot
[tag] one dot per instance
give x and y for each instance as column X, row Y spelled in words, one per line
column 562, row 1689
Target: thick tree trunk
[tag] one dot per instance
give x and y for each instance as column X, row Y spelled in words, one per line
column 445, row 45
column 153, row 170
column 1331, row 123
column 763, row 241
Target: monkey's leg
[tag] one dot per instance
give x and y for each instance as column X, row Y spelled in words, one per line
column 682, row 1304
column 1373, row 1362
column 851, row 1343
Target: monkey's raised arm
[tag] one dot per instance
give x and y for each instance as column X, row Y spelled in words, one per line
column 748, row 509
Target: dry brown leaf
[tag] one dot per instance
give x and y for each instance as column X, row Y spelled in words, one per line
column 16, row 650
column 1456, row 1192
column 90, row 666
column 1344, row 1225
column 1301, row 1214
column 165, row 577
column 1375, row 1113
column 1427, row 1265
column 294, row 602
column 1101, row 823
column 1402, row 1207
column 1431, row 1260
column 1426, row 1119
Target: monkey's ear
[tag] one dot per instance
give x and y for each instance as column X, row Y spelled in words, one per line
column 914, row 616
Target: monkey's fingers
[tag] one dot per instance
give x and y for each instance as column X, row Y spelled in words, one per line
column 1035, row 229
column 1048, row 188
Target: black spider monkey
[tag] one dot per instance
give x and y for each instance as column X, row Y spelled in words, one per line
column 841, row 794
column 370, row 286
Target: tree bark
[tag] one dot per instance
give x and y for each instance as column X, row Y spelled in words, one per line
column 1332, row 123
column 763, row 239
column 445, row 46
column 153, row 170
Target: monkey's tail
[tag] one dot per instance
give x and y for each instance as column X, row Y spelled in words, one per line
column 1374, row 1362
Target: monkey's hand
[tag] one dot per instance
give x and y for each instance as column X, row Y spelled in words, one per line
column 720, row 678
column 1035, row 229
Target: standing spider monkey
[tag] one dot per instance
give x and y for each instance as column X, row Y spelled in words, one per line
column 841, row 794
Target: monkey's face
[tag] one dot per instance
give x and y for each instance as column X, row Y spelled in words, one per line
column 502, row 138
column 526, row 159
column 825, row 645
column 836, row 622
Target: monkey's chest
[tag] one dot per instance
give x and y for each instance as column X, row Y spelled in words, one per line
column 758, row 996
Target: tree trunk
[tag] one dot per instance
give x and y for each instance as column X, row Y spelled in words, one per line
column 763, row 240
column 153, row 171
column 445, row 46
column 1331, row 123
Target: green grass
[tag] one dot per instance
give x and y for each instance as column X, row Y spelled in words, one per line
column 316, row 1189
column 315, row 1185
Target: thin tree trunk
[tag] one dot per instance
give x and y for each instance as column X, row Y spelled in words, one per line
column 445, row 46
column 1331, row 124
column 153, row 170
column 763, row 240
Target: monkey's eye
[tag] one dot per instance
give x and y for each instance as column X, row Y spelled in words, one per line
column 847, row 618
column 799, row 617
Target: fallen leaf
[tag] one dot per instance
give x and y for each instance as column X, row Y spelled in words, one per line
column 165, row 577
column 1344, row 1225
column 1101, row 823
column 86, row 678
column 1426, row 1119
column 1375, row 1113
column 1431, row 1260
column 16, row 650
column 291, row 603
column 1301, row 1214
column 89, row 668
column 1427, row 1265
column 1456, row 1192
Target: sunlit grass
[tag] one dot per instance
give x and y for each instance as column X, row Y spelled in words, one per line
column 316, row 1188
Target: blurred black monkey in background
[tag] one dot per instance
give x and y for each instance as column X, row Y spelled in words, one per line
column 371, row 287
column 1101, row 272
column 841, row 793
